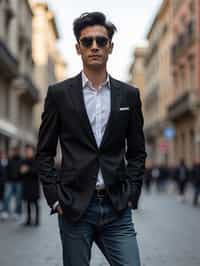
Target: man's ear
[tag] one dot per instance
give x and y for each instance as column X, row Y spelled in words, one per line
column 78, row 48
column 111, row 47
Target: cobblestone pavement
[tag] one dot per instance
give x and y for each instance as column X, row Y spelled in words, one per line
column 168, row 234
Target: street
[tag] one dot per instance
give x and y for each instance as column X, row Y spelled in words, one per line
column 168, row 234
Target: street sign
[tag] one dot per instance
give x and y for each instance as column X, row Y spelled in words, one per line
column 169, row 133
column 163, row 146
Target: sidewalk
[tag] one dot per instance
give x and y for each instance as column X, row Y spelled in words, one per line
column 31, row 246
column 168, row 234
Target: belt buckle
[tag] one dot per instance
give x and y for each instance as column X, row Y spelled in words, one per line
column 100, row 193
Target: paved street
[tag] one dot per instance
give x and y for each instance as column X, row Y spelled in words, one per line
column 168, row 234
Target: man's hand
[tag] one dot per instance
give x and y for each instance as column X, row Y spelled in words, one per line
column 24, row 169
column 130, row 204
column 59, row 210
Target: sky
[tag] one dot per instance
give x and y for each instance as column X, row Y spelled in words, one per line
column 132, row 18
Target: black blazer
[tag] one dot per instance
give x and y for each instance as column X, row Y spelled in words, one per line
column 121, row 155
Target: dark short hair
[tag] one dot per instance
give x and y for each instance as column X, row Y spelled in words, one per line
column 92, row 19
column 15, row 148
column 29, row 146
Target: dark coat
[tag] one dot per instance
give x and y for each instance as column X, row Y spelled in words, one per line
column 182, row 174
column 30, row 181
column 3, row 176
column 196, row 174
column 3, row 171
column 122, row 165
column 13, row 174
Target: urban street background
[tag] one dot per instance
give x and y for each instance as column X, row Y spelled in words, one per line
column 157, row 49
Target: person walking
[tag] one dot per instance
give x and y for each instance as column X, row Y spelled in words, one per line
column 13, row 185
column 196, row 181
column 99, row 123
column 3, row 175
column 182, row 179
column 31, row 186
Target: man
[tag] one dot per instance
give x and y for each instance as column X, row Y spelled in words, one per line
column 196, row 181
column 31, row 186
column 3, row 175
column 99, row 123
column 13, row 185
column 182, row 176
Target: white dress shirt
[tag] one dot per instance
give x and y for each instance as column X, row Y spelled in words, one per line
column 97, row 103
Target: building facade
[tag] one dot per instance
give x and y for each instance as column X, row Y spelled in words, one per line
column 49, row 64
column 185, row 57
column 18, row 93
column 137, row 71
column 158, row 85
column 172, row 83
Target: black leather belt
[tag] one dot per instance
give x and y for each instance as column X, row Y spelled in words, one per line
column 100, row 192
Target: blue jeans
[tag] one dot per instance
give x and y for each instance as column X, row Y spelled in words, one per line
column 13, row 190
column 114, row 234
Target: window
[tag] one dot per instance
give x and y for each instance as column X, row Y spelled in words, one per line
column 191, row 73
column 182, row 78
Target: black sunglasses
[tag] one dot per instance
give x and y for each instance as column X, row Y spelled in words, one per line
column 87, row 42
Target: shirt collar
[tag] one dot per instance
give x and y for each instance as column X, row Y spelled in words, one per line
column 87, row 82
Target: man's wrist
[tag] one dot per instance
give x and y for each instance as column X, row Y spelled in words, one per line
column 55, row 205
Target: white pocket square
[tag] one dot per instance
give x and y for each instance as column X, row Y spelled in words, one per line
column 124, row 109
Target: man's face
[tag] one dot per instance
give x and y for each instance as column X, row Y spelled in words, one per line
column 94, row 46
column 14, row 151
column 29, row 153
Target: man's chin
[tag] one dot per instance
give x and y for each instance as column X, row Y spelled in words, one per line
column 96, row 66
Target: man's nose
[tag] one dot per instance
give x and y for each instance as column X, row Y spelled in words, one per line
column 94, row 45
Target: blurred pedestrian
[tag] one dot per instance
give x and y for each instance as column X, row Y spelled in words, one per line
column 13, row 185
column 182, row 179
column 196, row 181
column 3, row 175
column 155, row 172
column 1, row 178
column 148, row 177
column 94, row 116
column 31, row 187
column 172, row 178
column 164, row 176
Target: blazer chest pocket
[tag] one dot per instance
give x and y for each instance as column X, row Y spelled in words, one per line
column 124, row 111
column 123, row 115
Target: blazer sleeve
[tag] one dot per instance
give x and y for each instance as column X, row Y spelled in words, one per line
column 46, row 148
column 135, row 152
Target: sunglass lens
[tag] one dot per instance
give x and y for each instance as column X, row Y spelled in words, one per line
column 87, row 41
column 101, row 41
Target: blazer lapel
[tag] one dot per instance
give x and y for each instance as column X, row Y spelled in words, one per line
column 115, row 104
column 76, row 91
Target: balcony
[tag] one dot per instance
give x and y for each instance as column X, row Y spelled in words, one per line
column 153, row 129
column 26, row 87
column 184, row 41
column 184, row 105
column 8, row 63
